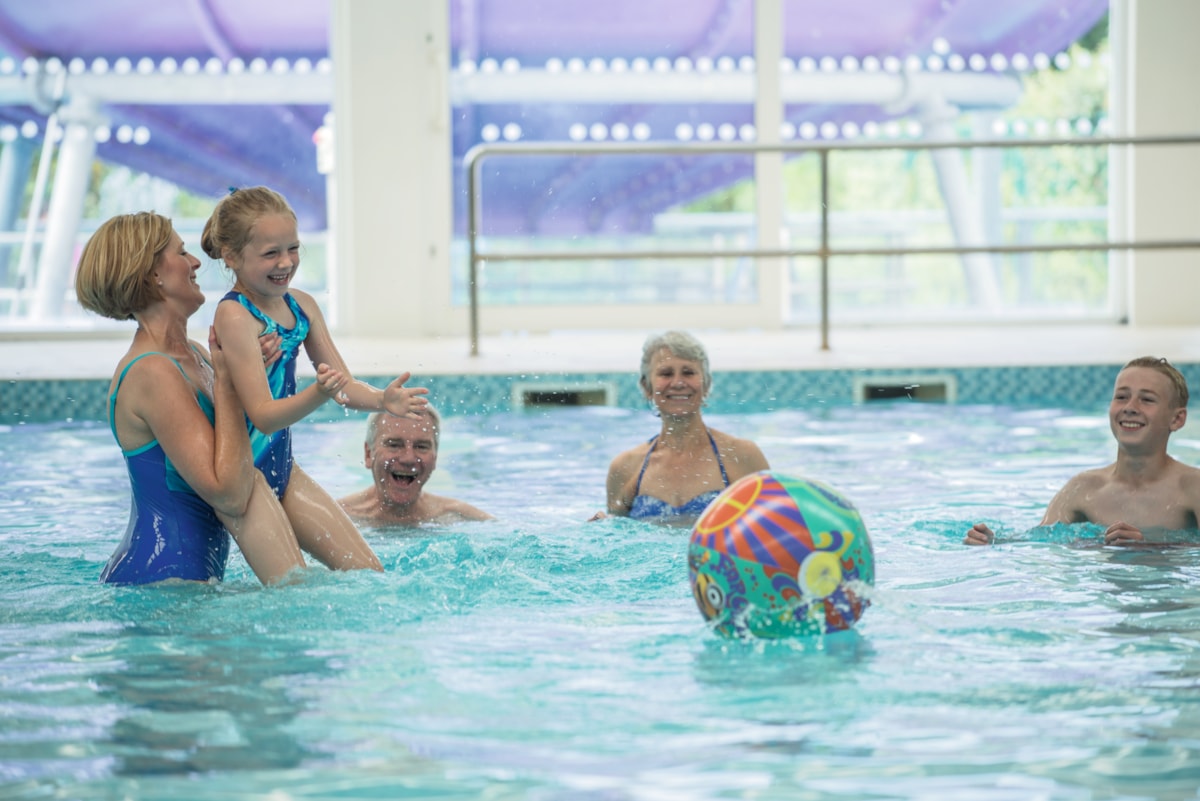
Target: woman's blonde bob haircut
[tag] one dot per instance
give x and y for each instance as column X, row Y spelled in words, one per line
column 116, row 269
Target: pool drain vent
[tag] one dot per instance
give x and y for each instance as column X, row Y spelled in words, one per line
column 549, row 395
column 924, row 388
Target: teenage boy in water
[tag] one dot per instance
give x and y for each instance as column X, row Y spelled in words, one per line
column 1144, row 489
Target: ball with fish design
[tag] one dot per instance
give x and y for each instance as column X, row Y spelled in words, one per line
column 776, row 556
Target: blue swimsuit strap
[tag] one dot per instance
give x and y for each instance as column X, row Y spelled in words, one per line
column 637, row 488
column 112, row 399
column 270, row 325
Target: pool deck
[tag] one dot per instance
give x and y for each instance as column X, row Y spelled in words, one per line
column 86, row 356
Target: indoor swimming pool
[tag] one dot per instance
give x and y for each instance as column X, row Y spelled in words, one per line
column 539, row 656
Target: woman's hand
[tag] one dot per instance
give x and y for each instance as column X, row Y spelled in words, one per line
column 332, row 383
column 271, row 345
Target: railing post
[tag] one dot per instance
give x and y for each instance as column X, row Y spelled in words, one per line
column 473, row 249
column 823, row 155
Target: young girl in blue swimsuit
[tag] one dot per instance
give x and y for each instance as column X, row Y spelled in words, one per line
column 677, row 473
column 254, row 232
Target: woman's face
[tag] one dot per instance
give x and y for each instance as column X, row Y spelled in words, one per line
column 269, row 261
column 175, row 272
column 676, row 384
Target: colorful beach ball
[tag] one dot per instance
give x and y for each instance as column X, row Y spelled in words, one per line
column 774, row 556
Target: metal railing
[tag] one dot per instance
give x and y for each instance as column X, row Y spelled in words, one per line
column 823, row 252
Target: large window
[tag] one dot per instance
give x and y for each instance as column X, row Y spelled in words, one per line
column 890, row 198
column 589, row 76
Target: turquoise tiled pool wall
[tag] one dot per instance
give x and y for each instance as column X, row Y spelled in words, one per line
column 39, row 401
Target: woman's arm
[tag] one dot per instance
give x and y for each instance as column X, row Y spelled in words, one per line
column 261, row 529
column 227, row 480
column 157, row 402
column 617, row 486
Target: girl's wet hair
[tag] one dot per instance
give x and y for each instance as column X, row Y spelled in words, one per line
column 115, row 277
column 228, row 228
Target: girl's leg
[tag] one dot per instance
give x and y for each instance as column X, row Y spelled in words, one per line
column 323, row 529
column 264, row 535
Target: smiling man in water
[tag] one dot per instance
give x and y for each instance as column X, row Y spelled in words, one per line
column 1144, row 489
column 401, row 454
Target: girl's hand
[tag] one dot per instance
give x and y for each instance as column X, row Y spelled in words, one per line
column 270, row 344
column 404, row 401
column 332, row 383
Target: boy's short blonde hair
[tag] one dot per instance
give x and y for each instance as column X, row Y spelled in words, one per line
column 1178, row 382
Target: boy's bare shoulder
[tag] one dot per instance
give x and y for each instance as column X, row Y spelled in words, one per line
column 1089, row 479
column 1188, row 474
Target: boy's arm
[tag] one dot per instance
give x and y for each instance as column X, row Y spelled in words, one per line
column 1191, row 494
column 1062, row 509
column 1065, row 506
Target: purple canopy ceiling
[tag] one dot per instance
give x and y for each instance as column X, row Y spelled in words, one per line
column 210, row 147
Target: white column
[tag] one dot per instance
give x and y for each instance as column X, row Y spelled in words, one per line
column 392, row 154
column 768, row 167
column 1120, row 222
column 323, row 138
column 1163, row 182
column 75, row 155
column 987, row 166
column 963, row 207
column 16, row 158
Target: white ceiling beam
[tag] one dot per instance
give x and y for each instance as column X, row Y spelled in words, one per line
column 897, row 91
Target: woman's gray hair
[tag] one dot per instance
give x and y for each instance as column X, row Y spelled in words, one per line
column 681, row 344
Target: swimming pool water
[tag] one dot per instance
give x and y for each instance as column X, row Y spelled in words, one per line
column 539, row 656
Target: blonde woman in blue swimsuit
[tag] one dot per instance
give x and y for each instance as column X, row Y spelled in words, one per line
column 677, row 473
column 176, row 416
